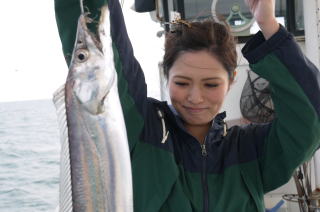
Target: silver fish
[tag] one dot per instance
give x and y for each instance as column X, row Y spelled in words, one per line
column 95, row 173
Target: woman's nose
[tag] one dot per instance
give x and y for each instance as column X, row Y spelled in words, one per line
column 195, row 95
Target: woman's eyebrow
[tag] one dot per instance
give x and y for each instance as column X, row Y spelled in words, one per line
column 183, row 77
column 211, row 78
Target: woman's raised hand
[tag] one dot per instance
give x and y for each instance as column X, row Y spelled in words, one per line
column 264, row 13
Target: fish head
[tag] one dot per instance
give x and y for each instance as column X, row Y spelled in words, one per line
column 91, row 71
column 87, row 48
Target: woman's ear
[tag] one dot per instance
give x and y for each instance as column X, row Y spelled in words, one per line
column 234, row 74
column 231, row 80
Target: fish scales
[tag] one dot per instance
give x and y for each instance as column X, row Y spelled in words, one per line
column 99, row 158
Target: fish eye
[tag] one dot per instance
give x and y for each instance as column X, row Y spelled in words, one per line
column 82, row 55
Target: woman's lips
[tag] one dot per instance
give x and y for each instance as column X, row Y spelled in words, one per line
column 194, row 109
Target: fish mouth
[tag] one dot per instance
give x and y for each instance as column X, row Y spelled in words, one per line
column 89, row 34
column 85, row 33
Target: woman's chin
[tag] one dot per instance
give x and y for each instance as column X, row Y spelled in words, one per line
column 197, row 122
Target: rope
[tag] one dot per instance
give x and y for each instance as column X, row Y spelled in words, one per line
column 165, row 133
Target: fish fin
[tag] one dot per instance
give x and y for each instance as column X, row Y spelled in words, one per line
column 65, row 202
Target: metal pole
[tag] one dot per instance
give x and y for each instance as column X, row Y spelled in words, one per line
column 317, row 155
column 181, row 10
column 312, row 42
column 166, row 14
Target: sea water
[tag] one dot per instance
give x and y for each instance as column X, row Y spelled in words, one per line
column 29, row 156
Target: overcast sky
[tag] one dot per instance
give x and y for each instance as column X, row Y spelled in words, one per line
column 32, row 65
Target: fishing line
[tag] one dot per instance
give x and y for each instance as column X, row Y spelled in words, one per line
column 81, row 7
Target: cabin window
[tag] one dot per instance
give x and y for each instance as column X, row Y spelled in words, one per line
column 288, row 12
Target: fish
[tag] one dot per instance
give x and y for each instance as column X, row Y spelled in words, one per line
column 95, row 167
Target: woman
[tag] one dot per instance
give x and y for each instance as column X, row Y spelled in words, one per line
column 183, row 157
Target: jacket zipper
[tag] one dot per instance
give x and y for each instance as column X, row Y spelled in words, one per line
column 204, row 178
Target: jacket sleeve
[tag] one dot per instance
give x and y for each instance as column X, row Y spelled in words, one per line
column 293, row 136
column 131, row 82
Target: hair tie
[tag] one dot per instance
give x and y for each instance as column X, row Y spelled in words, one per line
column 180, row 21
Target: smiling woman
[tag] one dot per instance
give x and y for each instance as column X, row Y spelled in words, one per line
column 198, row 84
column 199, row 64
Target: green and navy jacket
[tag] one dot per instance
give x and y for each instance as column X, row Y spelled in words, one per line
column 234, row 171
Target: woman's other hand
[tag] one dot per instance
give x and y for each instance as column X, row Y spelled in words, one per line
column 264, row 13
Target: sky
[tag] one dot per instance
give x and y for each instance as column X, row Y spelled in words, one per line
column 32, row 64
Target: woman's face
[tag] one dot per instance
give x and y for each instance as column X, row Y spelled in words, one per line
column 198, row 84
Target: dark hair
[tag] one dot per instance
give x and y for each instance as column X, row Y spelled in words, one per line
column 195, row 36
